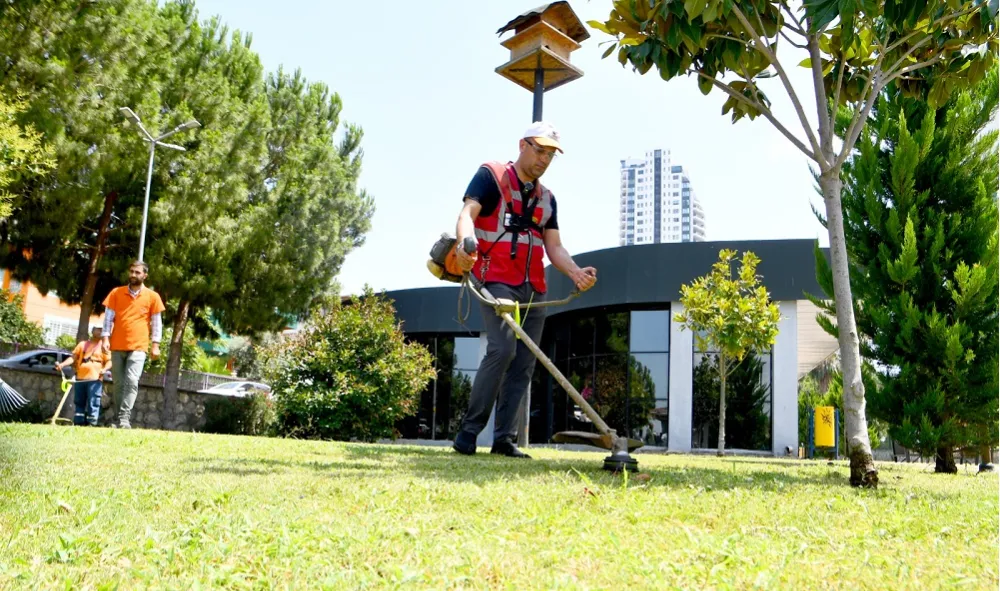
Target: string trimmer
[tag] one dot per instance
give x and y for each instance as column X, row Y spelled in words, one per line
column 606, row 437
column 66, row 386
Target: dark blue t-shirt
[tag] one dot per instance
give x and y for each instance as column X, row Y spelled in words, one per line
column 483, row 189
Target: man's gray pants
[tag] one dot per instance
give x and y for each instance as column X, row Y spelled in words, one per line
column 126, row 368
column 507, row 367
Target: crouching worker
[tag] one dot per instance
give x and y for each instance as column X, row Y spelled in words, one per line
column 90, row 360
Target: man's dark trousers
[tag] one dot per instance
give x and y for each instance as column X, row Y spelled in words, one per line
column 505, row 370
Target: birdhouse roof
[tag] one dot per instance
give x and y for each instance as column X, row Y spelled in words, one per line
column 558, row 14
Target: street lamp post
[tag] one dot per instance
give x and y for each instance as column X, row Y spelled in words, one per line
column 540, row 50
column 153, row 142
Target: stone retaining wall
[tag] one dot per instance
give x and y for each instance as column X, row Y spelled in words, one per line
column 147, row 411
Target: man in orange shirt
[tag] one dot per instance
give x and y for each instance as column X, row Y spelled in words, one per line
column 91, row 360
column 132, row 312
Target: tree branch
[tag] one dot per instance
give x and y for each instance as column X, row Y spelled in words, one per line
column 836, row 92
column 786, row 82
column 760, row 21
column 974, row 7
column 763, row 110
column 909, row 52
column 798, row 28
column 858, row 124
column 825, row 129
column 789, row 39
column 753, row 87
column 913, row 67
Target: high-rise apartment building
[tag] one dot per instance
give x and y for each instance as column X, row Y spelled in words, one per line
column 657, row 202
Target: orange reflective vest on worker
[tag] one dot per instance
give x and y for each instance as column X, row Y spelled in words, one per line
column 511, row 245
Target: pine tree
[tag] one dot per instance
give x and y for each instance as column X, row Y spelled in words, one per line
column 920, row 216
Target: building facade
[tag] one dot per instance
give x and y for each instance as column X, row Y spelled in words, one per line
column 55, row 316
column 657, row 202
column 622, row 349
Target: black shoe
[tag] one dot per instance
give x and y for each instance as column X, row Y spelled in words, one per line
column 507, row 448
column 463, row 445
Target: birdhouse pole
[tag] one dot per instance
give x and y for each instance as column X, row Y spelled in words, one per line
column 540, row 50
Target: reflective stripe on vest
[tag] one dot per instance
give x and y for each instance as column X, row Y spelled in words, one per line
column 495, row 262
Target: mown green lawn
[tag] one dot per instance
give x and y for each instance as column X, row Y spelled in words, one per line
column 104, row 509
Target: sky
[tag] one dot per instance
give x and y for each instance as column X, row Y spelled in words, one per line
column 419, row 78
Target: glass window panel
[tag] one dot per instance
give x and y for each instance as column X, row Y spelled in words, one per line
column 656, row 366
column 649, row 387
column 467, row 352
column 612, row 333
column 650, row 330
column 458, row 401
column 581, row 336
column 748, row 404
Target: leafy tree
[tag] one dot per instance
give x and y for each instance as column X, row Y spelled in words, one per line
column 747, row 395
column 75, row 64
column 920, row 212
column 66, row 341
column 191, row 354
column 247, row 354
column 732, row 317
column 854, row 49
column 349, row 375
column 22, row 153
column 193, row 229
column 15, row 328
column 304, row 213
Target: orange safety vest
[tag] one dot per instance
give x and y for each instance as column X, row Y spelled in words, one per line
column 511, row 252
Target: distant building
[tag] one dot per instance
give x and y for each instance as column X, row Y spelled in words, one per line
column 657, row 202
column 56, row 317
column 621, row 341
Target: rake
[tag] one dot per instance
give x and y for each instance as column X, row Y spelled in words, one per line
column 11, row 400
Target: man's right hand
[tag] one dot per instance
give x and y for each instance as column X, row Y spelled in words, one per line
column 465, row 260
column 107, row 343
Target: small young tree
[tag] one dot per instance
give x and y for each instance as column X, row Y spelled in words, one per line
column 733, row 317
column 854, row 49
column 349, row 375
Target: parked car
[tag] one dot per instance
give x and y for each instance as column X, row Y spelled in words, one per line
column 37, row 360
column 238, row 389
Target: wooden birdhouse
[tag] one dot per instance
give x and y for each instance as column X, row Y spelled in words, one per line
column 541, row 45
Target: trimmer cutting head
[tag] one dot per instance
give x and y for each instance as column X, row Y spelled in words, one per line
column 592, row 439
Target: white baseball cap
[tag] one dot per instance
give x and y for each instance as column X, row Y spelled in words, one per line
column 544, row 134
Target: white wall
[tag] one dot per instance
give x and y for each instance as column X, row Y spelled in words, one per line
column 785, row 389
column 681, row 383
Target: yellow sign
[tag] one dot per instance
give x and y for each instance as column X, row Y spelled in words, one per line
column 823, row 426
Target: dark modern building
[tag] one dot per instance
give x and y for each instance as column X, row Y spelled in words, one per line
column 621, row 347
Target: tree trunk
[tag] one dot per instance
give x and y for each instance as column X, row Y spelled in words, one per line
column 174, row 365
column 859, row 448
column 90, row 285
column 985, row 456
column 944, row 461
column 722, row 405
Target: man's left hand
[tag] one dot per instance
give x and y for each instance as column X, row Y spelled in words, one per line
column 155, row 353
column 584, row 278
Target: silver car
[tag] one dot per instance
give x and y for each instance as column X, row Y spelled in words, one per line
column 37, row 360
